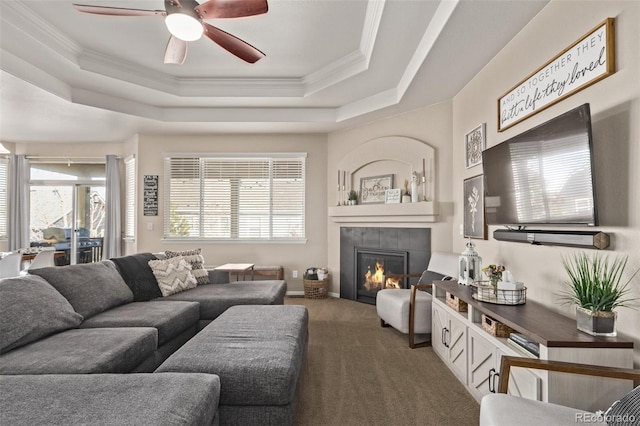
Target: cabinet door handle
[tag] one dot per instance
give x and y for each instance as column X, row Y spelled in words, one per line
column 446, row 338
column 496, row 375
column 442, row 336
column 490, row 382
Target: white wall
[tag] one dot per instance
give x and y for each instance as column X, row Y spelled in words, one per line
column 431, row 125
column 292, row 256
column 615, row 108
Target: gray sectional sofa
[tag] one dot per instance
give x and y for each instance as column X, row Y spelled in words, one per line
column 68, row 328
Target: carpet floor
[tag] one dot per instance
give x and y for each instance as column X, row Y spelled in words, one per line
column 359, row 373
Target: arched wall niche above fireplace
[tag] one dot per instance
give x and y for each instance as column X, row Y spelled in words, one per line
column 400, row 156
column 397, row 155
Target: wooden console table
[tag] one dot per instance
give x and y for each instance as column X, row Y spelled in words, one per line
column 474, row 355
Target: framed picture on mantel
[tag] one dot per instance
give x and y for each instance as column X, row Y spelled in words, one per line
column 475, row 225
column 373, row 189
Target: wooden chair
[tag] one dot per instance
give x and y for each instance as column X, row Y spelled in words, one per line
column 501, row 409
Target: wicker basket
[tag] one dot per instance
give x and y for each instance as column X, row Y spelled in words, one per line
column 316, row 289
column 456, row 304
column 495, row 328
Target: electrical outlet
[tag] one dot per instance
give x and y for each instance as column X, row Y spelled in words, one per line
column 461, row 229
column 149, row 226
column 294, row 274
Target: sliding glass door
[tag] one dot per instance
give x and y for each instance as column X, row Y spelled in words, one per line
column 68, row 212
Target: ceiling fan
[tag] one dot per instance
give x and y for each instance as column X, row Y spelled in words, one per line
column 185, row 21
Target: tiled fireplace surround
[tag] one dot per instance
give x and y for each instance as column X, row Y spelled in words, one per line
column 416, row 242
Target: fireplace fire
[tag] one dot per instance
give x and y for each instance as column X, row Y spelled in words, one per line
column 372, row 268
column 378, row 280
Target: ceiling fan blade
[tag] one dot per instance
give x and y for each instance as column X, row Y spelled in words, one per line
column 233, row 44
column 117, row 11
column 176, row 51
column 215, row 9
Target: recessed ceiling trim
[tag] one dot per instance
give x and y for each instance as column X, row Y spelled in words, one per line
column 203, row 115
column 436, row 26
column 393, row 96
column 25, row 20
column 353, row 63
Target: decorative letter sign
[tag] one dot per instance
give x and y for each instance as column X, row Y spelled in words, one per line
column 585, row 62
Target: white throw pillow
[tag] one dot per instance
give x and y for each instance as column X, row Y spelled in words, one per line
column 173, row 275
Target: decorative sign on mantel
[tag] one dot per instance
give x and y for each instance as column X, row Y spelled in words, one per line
column 588, row 60
column 150, row 199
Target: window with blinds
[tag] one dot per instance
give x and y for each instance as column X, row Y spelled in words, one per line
column 130, row 198
column 236, row 197
column 4, row 207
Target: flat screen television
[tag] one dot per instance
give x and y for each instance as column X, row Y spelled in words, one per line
column 543, row 176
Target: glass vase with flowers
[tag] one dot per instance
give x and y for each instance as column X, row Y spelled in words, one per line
column 494, row 273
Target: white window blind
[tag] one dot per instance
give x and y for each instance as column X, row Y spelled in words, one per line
column 130, row 198
column 4, row 178
column 235, row 197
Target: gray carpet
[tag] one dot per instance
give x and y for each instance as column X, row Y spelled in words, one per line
column 358, row 373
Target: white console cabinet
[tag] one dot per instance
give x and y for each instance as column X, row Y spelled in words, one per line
column 474, row 355
column 449, row 339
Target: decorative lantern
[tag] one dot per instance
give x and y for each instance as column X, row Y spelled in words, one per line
column 469, row 265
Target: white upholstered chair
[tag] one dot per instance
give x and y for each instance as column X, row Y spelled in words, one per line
column 409, row 310
column 500, row 409
column 10, row 265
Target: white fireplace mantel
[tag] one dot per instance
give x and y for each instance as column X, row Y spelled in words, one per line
column 422, row 212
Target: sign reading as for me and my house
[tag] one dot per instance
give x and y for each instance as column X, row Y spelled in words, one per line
column 585, row 62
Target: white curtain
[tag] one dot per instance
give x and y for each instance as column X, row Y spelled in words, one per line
column 19, row 211
column 112, row 232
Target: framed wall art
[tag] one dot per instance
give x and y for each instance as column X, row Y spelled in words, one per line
column 587, row 61
column 393, row 196
column 150, row 200
column 373, row 189
column 474, row 143
column 475, row 225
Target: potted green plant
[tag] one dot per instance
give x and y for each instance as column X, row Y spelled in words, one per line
column 595, row 286
column 353, row 197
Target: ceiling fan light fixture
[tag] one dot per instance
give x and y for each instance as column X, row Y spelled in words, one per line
column 183, row 26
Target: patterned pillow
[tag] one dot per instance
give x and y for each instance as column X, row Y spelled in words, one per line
column 195, row 258
column 173, row 275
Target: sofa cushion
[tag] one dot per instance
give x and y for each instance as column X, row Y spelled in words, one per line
column 215, row 299
column 256, row 350
column 194, row 257
column 173, row 275
column 137, row 274
column 81, row 351
column 110, row 399
column 90, row 287
column 32, row 309
column 169, row 318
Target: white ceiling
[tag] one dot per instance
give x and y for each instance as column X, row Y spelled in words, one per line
column 330, row 64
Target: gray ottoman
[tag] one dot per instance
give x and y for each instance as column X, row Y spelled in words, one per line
column 257, row 351
column 109, row 399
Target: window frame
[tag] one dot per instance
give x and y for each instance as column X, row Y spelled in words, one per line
column 234, row 209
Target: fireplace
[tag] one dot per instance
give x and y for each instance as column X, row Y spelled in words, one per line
column 380, row 251
column 371, row 269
